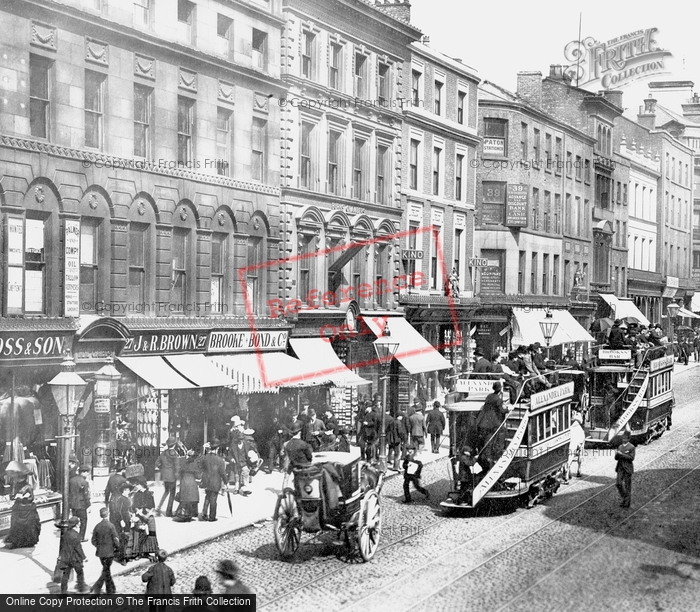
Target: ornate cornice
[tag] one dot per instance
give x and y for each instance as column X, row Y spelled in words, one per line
column 203, row 323
column 108, row 161
column 15, row 324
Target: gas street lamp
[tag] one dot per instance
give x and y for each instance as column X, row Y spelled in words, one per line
column 549, row 328
column 672, row 310
column 385, row 348
column 67, row 387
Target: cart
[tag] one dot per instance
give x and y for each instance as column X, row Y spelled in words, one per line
column 308, row 506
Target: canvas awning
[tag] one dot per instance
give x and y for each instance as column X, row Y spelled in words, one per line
column 695, row 303
column 415, row 353
column 527, row 330
column 197, row 368
column 157, row 372
column 686, row 314
column 256, row 373
column 323, row 363
column 623, row 308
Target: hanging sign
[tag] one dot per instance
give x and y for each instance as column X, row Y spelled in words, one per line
column 71, row 282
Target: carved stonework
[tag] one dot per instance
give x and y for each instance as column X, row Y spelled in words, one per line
column 221, row 217
column 92, row 201
column 226, row 91
column 144, row 66
column 120, row 226
column 183, row 214
column 43, row 36
column 187, row 80
column 141, row 208
column 256, row 223
column 262, row 102
column 96, row 51
column 39, row 195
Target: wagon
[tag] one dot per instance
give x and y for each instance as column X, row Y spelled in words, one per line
column 337, row 493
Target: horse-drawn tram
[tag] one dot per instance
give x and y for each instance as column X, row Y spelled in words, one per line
column 523, row 460
column 337, row 493
column 627, row 389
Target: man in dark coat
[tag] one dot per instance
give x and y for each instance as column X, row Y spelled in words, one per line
column 435, row 423
column 79, row 498
column 229, row 573
column 481, row 364
column 625, row 468
column 159, row 578
column 369, row 428
column 299, row 453
column 394, row 428
column 167, row 463
column 115, row 481
column 416, row 424
column 213, row 479
column 71, row 556
column 616, row 339
column 488, row 425
column 120, row 517
column 105, row 539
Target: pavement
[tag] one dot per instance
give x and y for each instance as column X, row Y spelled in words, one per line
column 29, row 570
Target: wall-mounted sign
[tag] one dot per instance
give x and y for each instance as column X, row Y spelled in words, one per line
column 33, row 345
column 491, row 279
column 242, row 341
column 101, row 405
column 71, row 284
column 166, row 343
column 516, row 205
column 478, row 262
column 672, row 281
column 495, row 146
column 411, row 254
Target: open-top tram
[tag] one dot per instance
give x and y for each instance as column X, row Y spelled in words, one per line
column 535, row 453
column 627, row 389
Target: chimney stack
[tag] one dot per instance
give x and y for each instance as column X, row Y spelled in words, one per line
column 614, row 96
column 647, row 118
column 398, row 9
column 691, row 109
column 556, row 71
column 530, row 87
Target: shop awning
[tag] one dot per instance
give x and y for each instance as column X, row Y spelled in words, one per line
column 686, row 314
column 695, row 303
column 624, row 308
column 259, row 372
column 415, row 353
column 527, row 330
column 322, row 362
column 156, row 372
column 197, row 368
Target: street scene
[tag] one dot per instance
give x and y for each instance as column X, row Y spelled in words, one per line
column 331, row 304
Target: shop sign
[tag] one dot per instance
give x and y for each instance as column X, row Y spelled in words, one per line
column 483, row 329
column 516, row 205
column 411, row 254
column 495, row 146
column 101, row 405
column 672, row 281
column 614, row 354
column 71, row 284
column 34, row 346
column 166, row 343
column 242, row 341
column 491, row 279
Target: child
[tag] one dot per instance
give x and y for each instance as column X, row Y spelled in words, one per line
column 625, row 468
column 412, row 468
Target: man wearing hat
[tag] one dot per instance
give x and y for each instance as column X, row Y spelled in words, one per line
column 625, row 468
column 159, row 578
column 167, row 463
column 107, row 545
column 481, row 364
column 71, row 556
column 229, row 573
column 299, row 453
column 616, row 339
column 213, row 479
column 491, row 435
column 116, row 480
column 79, row 498
column 435, row 424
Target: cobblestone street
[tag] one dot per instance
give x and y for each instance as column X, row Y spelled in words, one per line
column 579, row 547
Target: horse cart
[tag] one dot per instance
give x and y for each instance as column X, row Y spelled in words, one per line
column 337, row 493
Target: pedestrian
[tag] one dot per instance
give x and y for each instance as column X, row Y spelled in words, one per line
column 416, row 424
column 159, row 578
column 213, row 479
column 167, row 463
column 25, row 525
column 412, row 468
column 202, row 586
column 230, row 576
column 491, row 434
column 435, row 424
column 393, row 429
column 279, row 436
column 79, row 498
column 696, row 347
column 239, row 472
column 71, row 556
column 625, row 468
column 120, row 517
column 143, row 541
column 189, row 492
column 115, row 481
column 368, row 433
column 106, row 541
column 299, row 453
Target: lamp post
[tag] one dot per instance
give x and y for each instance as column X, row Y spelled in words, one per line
column 66, row 387
column 672, row 310
column 385, row 348
column 548, row 327
column 106, row 387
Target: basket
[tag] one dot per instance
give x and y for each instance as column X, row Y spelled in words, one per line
column 134, row 471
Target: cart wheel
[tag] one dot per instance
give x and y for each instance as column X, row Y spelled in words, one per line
column 369, row 526
column 287, row 524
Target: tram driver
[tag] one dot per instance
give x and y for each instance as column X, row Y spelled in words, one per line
column 490, row 434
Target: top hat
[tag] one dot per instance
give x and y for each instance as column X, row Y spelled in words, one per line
column 479, row 352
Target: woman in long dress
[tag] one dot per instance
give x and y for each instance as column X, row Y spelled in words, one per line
column 25, row 525
column 188, row 495
column 143, row 541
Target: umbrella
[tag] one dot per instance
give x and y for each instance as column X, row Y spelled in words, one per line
column 630, row 319
column 602, row 324
column 230, row 505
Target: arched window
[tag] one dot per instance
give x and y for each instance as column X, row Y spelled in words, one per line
column 383, row 269
column 256, row 260
column 222, row 262
column 141, row 253
column 183, row 278
column 336, row 258
column 309, row 229
column 95, row 249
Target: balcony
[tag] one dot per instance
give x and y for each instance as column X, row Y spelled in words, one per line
column 644, row 276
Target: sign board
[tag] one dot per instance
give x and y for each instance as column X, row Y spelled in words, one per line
column 491, row 279
column 494, row 146
column 661, row 363
column 165, row 343
column 411, row 254
column 71, row 278
column 516, row 205
column 478, row 262
column 615, row 354
column 247, row 341
column 672, row 281
column 37, row 345
column 551, row 396
column 101, row 405
column 15, row 241
column 474, row 387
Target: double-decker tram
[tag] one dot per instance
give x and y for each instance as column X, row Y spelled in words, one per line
column 524, row 459
column 628, row 389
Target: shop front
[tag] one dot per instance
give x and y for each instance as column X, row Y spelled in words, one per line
column 31, row 353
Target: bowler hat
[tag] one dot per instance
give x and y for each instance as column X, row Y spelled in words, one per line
column 227, row 569
column 479, row 352
column 84, row 468
column 296, row 427
column 73, row 521
column 162, row 555
column 171, row 441
column 215, row 443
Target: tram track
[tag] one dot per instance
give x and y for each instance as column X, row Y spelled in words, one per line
column 321, row 578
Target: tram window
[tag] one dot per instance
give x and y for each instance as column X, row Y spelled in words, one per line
column 540, row 427
column 567, row 417
column 532, row 430
column 548, row 424
column 555, row 421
